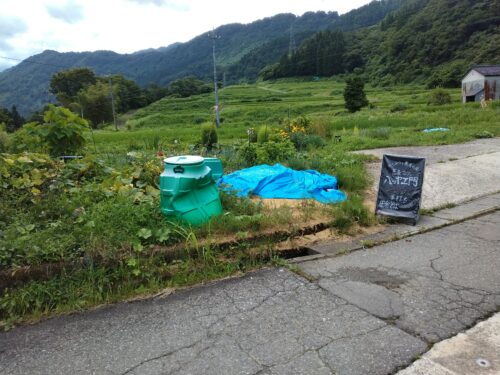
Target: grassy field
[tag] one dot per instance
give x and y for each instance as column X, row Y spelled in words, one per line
column 95, row 223
column 401, row 113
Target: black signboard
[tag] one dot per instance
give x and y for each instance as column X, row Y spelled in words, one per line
column 400, row 187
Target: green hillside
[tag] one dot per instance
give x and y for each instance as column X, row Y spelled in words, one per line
column 436, row 41
column 242, row 51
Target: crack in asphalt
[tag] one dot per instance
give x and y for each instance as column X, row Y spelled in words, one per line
column 164, row 355
column 433, row 266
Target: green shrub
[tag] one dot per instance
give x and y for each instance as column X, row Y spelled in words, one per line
column 4, row 141
column 320, row 127
column 303, row 141
column 349, row 171
column 247, row 154
column 188, row 86
column 350, row 212
column 263, row 134
column 209, row 137
column 484, row 134
column 299, row 163
column 297, row 124
column 266, row 153
column 62, row 131
column 275, row 152
column 448, row 75
column 24, row 139
column 439, row 97
column 25, row 176
column 354, row 94
column 301, row 121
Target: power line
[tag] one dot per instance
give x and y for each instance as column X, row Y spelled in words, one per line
column 112, row 103
column 34, row 62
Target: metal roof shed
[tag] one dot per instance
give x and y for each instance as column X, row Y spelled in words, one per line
column 481, row 82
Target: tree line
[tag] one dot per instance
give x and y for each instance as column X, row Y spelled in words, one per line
column 93, row 97
column 11, row 119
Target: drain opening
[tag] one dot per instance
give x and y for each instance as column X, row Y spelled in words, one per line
column 297, row 252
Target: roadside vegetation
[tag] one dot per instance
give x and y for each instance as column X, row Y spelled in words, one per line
column 88, row 231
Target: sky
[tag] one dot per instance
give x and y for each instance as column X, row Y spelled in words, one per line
column 28, row 27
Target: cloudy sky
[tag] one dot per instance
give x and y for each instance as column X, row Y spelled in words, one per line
column 28, row 27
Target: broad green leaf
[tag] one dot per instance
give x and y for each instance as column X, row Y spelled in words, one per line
column 163, row 234
column 90, row 224
column 144, row 233
column 24, row 159
column 136, row 272
column 137, row 246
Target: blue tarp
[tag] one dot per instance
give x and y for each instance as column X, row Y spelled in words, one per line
column 277, row 181
column 432, row 130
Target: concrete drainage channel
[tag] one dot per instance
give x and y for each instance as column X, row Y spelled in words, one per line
column 298, row 253
column 436, row 220
column 439, row 219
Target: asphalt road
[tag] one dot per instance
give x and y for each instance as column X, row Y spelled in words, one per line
column 369, row 312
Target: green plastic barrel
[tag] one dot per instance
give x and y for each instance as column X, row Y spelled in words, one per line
column 216, row 166
column 188, row 190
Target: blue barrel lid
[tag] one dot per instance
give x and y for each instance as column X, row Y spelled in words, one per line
column 184, row 160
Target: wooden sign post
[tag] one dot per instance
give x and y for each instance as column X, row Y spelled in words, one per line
column 400, row 187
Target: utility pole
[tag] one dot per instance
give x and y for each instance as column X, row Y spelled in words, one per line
column 112, row 103
column 213, row 36
column 292, row 46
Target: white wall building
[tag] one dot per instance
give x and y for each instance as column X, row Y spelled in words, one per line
column 481, row 82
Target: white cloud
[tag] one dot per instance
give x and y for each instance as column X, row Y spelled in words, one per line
column 70, row 12
column 126, row 26
column 177, row 6
column 10, row 27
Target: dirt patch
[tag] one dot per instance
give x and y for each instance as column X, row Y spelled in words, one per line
column 370, row 197
column 327, row 235
column 300, row 208
column 292, row 203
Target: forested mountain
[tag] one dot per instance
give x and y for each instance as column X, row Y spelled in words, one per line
column 434, row 41
column 242, row 51
column 426, row 41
